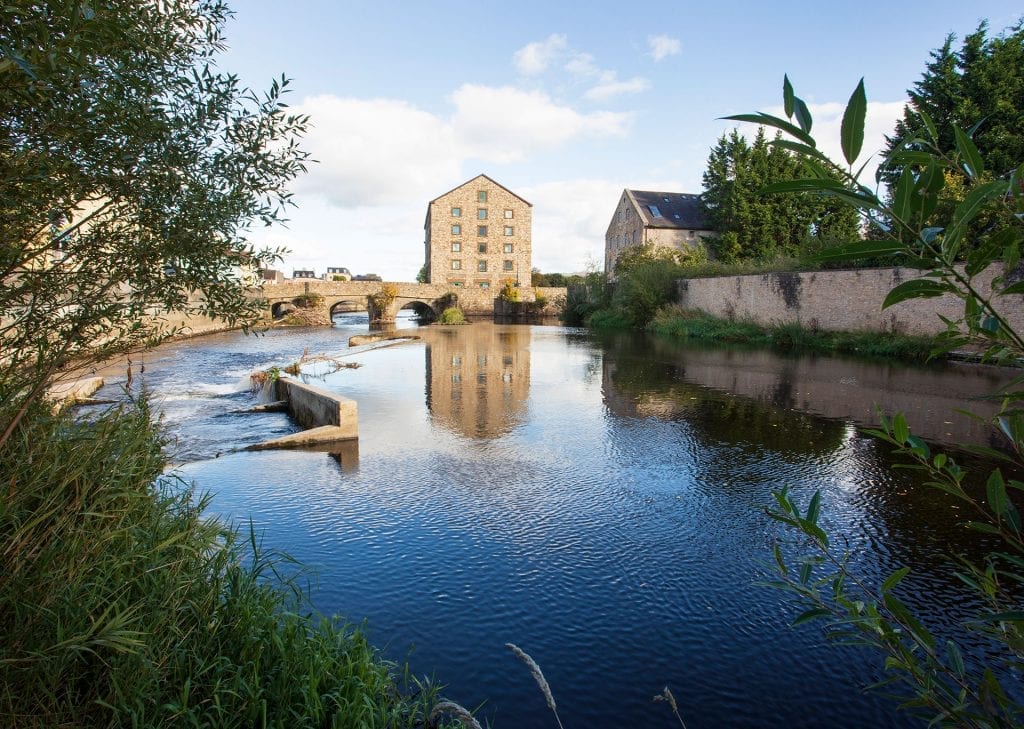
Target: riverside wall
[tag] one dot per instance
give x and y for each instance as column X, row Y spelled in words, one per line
column 837, row 300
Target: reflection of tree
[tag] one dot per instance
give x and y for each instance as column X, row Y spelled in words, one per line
column 478, row 378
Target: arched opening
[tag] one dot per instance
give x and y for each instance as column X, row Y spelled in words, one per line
column 422, row 312
column 348, row 312
column 281, row 309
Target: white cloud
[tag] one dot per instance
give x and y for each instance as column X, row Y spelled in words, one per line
column 534, row 58
column 582, row 64
column 610, row 86
column 662, row 46
column 503, row 124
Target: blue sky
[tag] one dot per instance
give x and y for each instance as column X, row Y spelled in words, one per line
column 565, row 104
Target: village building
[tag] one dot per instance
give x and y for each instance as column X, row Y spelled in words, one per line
column 664, row 219
column 478, row 235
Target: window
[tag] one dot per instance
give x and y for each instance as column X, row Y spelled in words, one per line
column 481, row 266
column 481, row 213
column 508, row 230
column 506, row 265
column 506, row 359
column 481, row 196
column 456, row 247
column 654, row 211
column 456, row 360
column 508, row 214
column 481, row 247
column 457, row 284
column 481, row 230
column 485, row 284
column 456, row 229
column 507, row 248
column 456, row 212
column 456, row 264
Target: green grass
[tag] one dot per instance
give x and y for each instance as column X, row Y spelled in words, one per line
column 677, row 322
column 122, row 604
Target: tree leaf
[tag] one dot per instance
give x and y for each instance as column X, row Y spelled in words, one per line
column 812, row 614
column 852, row 129
column 787, row 96
column 995, row 489
column 918, row 288
column 900, row 431
column 971, row 162
column 860, row 250
column 773, row 121
column 803, row 115
column 894, row 579
column 956, row 658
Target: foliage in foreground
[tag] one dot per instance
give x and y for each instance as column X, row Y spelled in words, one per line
column 122, row 605
column 935, row 676
column 131, row 170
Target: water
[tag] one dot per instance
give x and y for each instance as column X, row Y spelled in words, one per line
column 596, row 502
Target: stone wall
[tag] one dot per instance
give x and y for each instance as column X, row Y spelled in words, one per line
column 843, row 300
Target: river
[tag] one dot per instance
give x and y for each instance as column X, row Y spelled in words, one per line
column 596, row 501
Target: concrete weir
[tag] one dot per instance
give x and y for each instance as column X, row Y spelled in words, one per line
column 326, row 416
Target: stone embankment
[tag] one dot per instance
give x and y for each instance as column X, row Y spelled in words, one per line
column 326, row 416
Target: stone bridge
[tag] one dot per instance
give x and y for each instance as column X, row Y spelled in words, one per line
column 429, row 299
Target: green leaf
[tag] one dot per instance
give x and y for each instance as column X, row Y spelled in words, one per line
column 900, row 431
column 1013, row 616
column 903, row 195
column 972, row 162
column 812, row 614
column 814, row 508
column 1017, row 288
column 803, row 114
column 787, row 96
column 852, row 130
column 996, row 491
column 918, row 288
column 966, row 211
column 956, row 658
column 933, row 131
column 773, row 121
column 894, row 579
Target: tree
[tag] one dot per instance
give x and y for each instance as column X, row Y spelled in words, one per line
column 422, row 276
column 953, row 686
column 751, row 225
column 132, row 171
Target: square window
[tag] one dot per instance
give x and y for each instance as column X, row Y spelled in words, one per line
column 481, row 230
column 456, row 284
column 507, row 248
column 456, row 360
column 506, row 265
column 485, row 284
column 481, row 266
column 456, row 229
column 508, row 214
column 481, row 247
column 508, row 230
column 456, row 247
column 481, row 196
column 456, row 212
column 456, row 265
column 481, row 214
column 506, row 359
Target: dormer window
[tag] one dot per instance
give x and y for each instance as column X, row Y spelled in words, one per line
column 654, row 211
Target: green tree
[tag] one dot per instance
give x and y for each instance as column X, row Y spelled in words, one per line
column 422, row 276
column 953, row 686
column 754, row 226
column 132, row 170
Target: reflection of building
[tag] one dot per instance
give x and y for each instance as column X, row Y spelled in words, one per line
column 664, row 219
column 478, row 378
column 478, row 235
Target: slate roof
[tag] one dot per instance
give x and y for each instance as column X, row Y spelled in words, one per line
column 677, row 209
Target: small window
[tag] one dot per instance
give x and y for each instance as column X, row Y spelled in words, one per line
column 506, row 359
column 456, row 212
column 481, row 213
column 485, row 284
column 507, row 248
column 456, row 377
column 508, row 230
column 654, row 211
column 481, row 247
column 506, row 265
column 481, row 266
column 457, row 284
column 456, row 247
column 508, row 214
column 481, row 360
column 456, row 264
column 456, row 229
column 481, row 196
column 456, row 360
column 481, row 230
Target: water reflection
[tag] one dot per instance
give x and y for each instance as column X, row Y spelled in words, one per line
column 478, row 378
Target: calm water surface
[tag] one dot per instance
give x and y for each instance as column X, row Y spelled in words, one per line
column 596, row 502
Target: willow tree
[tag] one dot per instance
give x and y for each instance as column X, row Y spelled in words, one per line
column 132, row 171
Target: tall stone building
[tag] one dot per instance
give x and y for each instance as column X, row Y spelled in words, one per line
column 478, row 235
column 665, row 219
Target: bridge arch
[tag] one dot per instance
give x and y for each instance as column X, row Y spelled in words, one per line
column 423, row 309
column 347, row 305
column 281, row 308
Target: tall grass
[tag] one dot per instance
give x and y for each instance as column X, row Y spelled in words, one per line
column 121, row 604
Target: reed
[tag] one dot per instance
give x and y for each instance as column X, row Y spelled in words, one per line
column 538, row 676
column 122, row 604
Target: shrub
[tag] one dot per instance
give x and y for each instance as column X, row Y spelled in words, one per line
column 452, row 315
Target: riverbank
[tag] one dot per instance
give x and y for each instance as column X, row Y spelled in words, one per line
column 124, row 604
column 683, row 323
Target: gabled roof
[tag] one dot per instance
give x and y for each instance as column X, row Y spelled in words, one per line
column 474, row 179
column 669, row 209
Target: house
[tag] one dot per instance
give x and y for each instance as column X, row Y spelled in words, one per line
column 271, row 275
column 478, row 235
column 337, row 273
column 298, row 273
column 665, row 219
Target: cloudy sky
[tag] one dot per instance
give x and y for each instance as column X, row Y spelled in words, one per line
column 563, row 103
